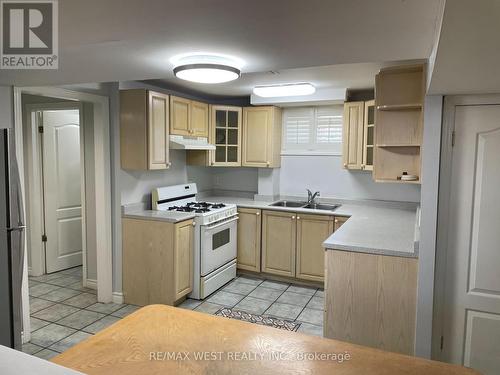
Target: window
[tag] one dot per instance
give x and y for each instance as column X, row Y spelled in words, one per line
column 313, row 130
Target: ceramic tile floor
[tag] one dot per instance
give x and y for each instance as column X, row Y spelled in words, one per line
column 266, row 297
column 63, row 313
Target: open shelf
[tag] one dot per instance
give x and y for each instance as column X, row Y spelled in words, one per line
column 399, row 97
column 396, row 181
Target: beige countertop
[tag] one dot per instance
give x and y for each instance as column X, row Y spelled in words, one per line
column 168, row 216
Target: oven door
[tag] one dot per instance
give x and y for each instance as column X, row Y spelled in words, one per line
column 218, row 244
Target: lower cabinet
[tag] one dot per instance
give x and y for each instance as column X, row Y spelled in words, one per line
column 157, row 261
column 339, row 221
column 249, row 237
column 278, row 242
column 292, row 244
column 312, row 230
column 371, row 300
column 183, row 258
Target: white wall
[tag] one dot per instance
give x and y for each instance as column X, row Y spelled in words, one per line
column 237, row 179
column 136, row 186
column 326, row 174
column 428, row 223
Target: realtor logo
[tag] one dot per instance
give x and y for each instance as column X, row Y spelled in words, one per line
column 29, row 35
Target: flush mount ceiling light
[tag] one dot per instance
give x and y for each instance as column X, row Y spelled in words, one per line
column 288, row 89
column 206, row 68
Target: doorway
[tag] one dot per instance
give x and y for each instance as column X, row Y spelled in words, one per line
column 468, row 293
column 98, row 193
column 56, row 199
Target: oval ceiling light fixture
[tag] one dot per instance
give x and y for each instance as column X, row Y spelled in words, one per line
column 206, row 68
column 287, row 89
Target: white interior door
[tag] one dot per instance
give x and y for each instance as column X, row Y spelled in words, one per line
column 62, row 185
column 472, row 284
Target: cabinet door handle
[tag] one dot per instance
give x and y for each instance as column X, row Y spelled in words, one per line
column 268, row 163
column 345, row 165
column 298, row 217
column 336, row 221
column 293, row 217
column 257, row 213
column 194, row 224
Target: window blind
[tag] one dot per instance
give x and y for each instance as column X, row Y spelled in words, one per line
column 310, row 129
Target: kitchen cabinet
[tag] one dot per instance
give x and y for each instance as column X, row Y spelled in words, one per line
column 144, row 130
column 359, row 130
column 249, row 239
column 278, row 242
column 370, row 300
column 199, row 119
column 368, row 135
column 261, row 137
column 157, row 261
column 352, row 152
column 312, row 230
column 183, row 258
column 225, row 133
column 188, row 117
column 292, row 244
column 399, row 97
column 339, row 221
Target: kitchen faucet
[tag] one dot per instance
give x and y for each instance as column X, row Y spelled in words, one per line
column 311, row 197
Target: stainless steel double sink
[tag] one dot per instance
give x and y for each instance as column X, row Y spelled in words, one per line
column 299, row 204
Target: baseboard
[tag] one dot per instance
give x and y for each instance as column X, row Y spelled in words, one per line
column 118, row 297
column 90, row 283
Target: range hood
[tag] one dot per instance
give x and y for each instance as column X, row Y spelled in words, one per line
column 179, row 142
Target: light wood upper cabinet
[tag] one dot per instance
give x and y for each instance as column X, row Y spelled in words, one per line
column 399, row 96
column 188, row 117
column 278, row 242
column 312, row 230
column 183, row 258
column 249, row 238
column 261, row 137
column 368, row 135
column 199, row 119
column 353, row 135
column 157, row 261
column 144, row 130
column 179, row 115
column 225, row 133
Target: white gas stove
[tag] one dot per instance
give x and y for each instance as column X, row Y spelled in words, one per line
column 215, row 236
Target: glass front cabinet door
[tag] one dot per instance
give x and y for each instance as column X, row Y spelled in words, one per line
column 226, row 135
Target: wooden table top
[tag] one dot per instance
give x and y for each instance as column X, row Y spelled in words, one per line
column 160, row 339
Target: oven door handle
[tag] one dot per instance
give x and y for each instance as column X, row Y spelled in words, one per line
column 221, row 224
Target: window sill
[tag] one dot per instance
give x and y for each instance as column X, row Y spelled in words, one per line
column 310, row 153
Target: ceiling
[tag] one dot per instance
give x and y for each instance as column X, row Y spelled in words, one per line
column 467, row 59
column 336, row 43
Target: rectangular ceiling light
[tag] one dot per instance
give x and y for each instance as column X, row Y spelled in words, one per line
column 289, row 89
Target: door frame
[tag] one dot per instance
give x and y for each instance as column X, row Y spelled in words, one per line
column 102, row 159
column 450, row 103
column 35, row 189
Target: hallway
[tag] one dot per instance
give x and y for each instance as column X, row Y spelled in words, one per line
column 63, row 312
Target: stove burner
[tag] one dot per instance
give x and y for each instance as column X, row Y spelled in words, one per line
column 218, row 205
column 197, row 207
